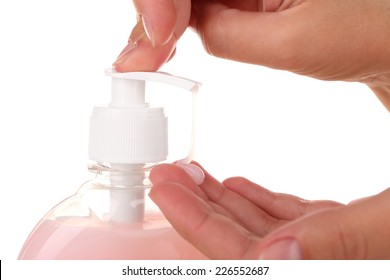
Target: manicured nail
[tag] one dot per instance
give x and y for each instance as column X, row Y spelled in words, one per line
column 283, row 249
column 138, row 31
column 136, row 35
column 148, row 30
column 195, row 172
column 125, row 52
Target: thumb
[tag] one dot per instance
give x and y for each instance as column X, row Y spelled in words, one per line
column 358, row 231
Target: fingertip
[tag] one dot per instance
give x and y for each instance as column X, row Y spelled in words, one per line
column 144, row 57
column 195, row 172
column 160, row 173
column 168, row 195
column 283, row 249
column 234, row 181
column 156, row 192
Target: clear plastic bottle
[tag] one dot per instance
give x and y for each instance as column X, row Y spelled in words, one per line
column 111, row 216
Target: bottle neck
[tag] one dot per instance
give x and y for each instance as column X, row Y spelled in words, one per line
column 127, row 184
column 125, row 175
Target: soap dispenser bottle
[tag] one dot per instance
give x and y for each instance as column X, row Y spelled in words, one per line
column 111, row 216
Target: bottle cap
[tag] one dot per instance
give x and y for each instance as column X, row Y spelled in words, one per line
column 128, row 130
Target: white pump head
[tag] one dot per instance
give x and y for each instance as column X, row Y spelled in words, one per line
column 127, row 93
column 128, row 131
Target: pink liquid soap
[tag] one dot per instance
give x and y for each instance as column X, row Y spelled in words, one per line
column 72, row 239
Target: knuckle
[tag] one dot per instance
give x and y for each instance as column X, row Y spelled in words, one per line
column 214, row 35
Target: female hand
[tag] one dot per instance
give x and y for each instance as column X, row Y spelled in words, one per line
column 330, row 40
column 237, row 219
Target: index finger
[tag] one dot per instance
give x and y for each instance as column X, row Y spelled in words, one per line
column 215, row 235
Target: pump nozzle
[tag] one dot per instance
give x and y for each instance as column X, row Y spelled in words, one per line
column 161, row 77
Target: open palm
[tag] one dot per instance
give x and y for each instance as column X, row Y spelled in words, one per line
column 228, row 219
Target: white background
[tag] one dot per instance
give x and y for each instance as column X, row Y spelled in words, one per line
column 314, row 139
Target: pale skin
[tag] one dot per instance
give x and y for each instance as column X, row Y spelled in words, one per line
column 347, row 40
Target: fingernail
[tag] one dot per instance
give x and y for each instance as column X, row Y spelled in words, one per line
column 135, row 36
column 138, row 31
column 283, row 249
column 148, row 30
column 195, row 172
column 125, row 52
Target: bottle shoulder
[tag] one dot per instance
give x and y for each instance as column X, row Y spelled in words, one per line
column 100, row 200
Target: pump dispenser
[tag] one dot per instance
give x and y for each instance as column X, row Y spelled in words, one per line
column 111, row 216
